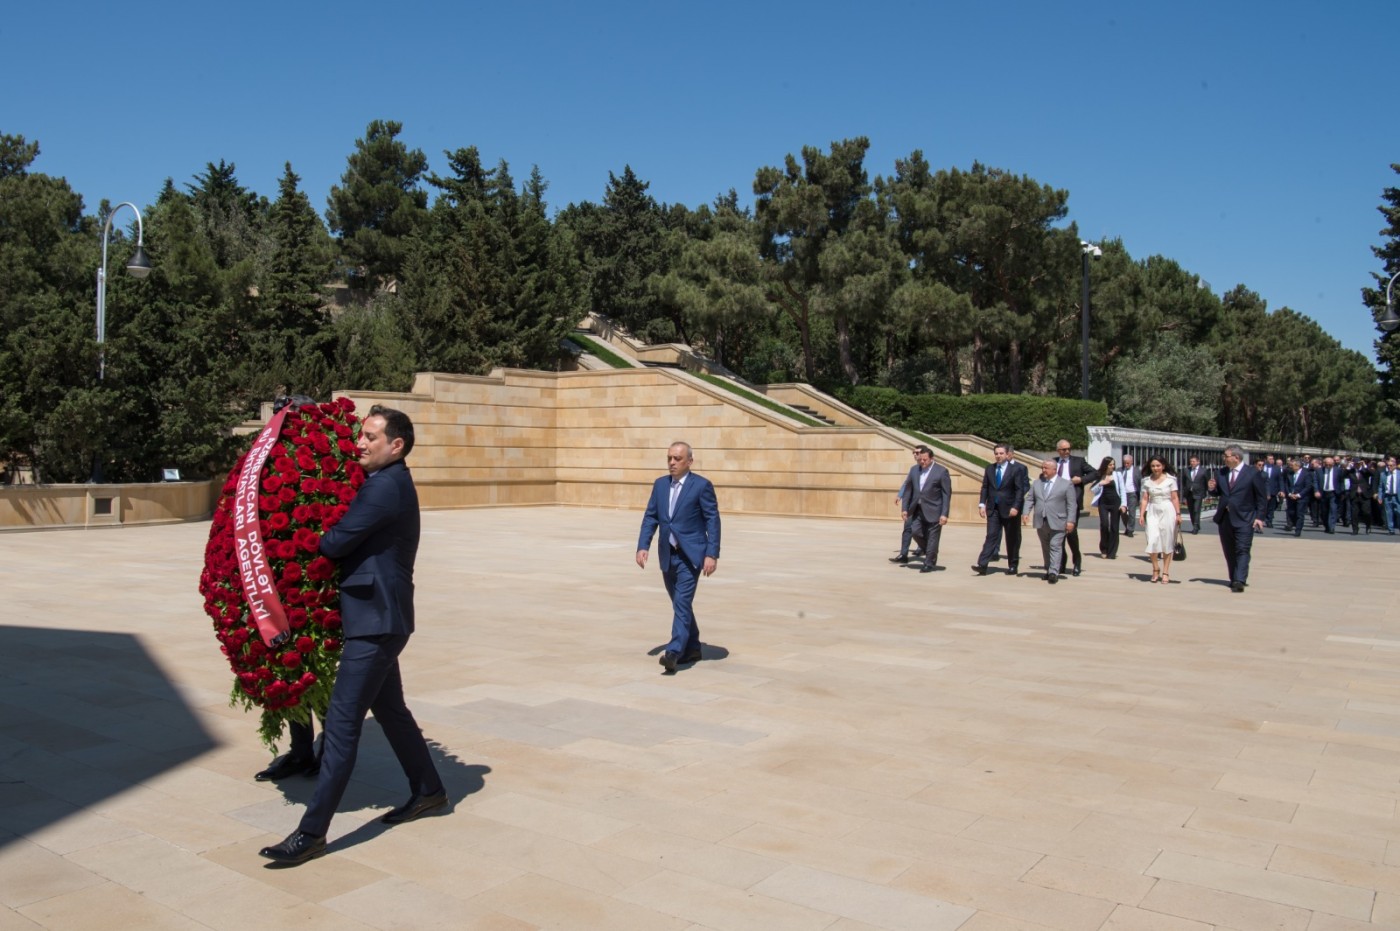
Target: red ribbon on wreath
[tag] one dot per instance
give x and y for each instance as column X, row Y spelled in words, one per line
column 258, row 588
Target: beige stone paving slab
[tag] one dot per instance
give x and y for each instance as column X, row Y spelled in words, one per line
column 1285, row 889
column 546, row 903
column 664, row 849
column 1353, row 802
column 1064, row 910
column 548, row 818
column 719, row 907
column 1123, row 886
column 1338, row 843
column 29, row 873
column 11, row 920
column 1129, row 918
column 873, row 903
column 63, row 828
column 531, row 853
column 107, row 905
column 990, row 921
column 1349, row 871
column 1387, row 911
column 844, row 857
column 396, row 904
column 1224, row 909
column 313, row 881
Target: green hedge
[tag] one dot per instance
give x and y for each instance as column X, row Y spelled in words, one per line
column 1025, row 421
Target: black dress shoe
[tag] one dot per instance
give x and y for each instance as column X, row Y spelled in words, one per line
column 1013, row 570
column 415, row 807
column 926, row 568
column 1052, row 578
column 690, row 656
column 980, row 570
column 1075, row 572
column 297, row 848
column 668, row 659
column 899, row 559
column 1237, row 587
column 286, row 766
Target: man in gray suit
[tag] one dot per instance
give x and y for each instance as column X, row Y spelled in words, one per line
column 1055, row 505
column 928, row 495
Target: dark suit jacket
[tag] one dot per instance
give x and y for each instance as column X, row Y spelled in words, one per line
column 1077, row 466
column 1362, row 484
column 377, row 542
column 1320, row 477
column 936, row 497
column 1015, row 483
column 1193, row 488
column 1246, row 502
column 1273, row 480
column 1304, row 486
column 695, row 522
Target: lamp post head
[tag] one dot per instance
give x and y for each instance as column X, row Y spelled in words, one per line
column 139, row 265
column 1389, row 321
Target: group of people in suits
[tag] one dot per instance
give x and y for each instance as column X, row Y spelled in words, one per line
column 1329, row 491
column 1053, row 501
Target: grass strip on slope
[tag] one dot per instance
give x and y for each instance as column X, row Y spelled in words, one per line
column 597, row 349
column 759, row 399
column 952, row 450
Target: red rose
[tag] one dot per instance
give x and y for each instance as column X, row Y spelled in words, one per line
column 320, row 569
column 306, row 644
column 291, row 572
column 307, row 539
column 296, row 618
column 286, row 495
column 345, row 404
column 302, row 513
column 321, row 443
column 291, row 659
column 278, row 522
column 292, row 596
column 329, row 464
column 283, row 464
column 271, row 483
column 269, row 503
column 308, row 679
column 332, row 620
column 331, row 644
column 310, row 486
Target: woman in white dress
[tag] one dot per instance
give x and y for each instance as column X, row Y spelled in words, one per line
column 1161, row 514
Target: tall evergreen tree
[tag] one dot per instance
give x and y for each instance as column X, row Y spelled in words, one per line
column 378, row 205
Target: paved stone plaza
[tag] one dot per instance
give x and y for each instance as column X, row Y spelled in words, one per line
column 863, row 746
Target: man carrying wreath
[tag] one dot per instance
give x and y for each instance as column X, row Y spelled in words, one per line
column 376, row 542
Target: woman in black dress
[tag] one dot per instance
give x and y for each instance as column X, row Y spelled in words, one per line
column 1110, row 507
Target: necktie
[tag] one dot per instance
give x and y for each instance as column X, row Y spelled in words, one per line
column 675, row 493
column 1327, row 482
column 999, row 470
column 1233, row 475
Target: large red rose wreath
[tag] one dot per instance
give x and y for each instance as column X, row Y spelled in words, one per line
column 274, row 601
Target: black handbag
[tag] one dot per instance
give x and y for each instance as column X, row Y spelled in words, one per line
column 1180, row 554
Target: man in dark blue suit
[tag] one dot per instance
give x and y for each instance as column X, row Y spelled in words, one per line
column 1004, row 488
column 684, row 508
column 1298, row 491
column 376, row 542
column 1328, row 492
column 1243, row 499
column 1273, row 485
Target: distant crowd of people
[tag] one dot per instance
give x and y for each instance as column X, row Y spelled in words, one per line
column 1248, row 497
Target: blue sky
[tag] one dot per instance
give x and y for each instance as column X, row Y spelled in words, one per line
column 1249, row 141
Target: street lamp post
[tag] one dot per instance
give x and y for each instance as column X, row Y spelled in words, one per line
column 139, row 266
column 1389, row 321
column 1087, row 249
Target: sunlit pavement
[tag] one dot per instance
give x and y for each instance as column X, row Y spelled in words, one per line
column 863, row 746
